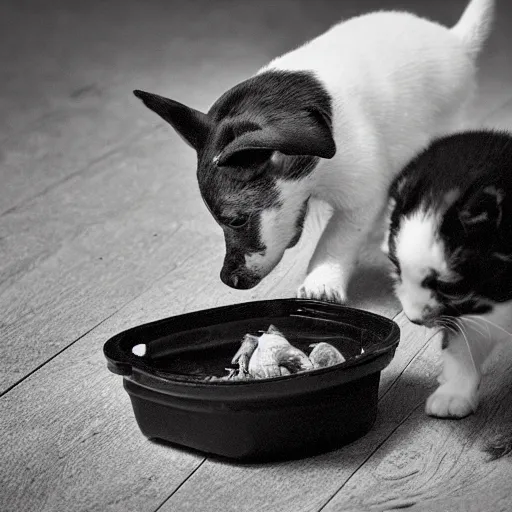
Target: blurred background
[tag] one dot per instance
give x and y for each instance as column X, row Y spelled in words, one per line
column 68, row 68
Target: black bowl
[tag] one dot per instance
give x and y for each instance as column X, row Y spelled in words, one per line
column 280, row 418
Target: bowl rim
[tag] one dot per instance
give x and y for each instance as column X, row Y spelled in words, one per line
column 121, row 361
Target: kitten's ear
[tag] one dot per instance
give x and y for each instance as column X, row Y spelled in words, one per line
column 483, row 211
column 191, row 125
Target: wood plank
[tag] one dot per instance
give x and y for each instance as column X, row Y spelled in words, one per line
column 79, row 447
column 70, row 441
column 95, row 242
column 307, row 484
column 433, row 464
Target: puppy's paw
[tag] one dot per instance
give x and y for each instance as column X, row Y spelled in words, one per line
column 314, row 287
column 384, row 246
column 449, row 402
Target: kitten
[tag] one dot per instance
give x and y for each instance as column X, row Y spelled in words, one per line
column 450, row 242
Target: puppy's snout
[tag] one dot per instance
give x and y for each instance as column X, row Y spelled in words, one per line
column 238, row 279
column 234, row 277
column 229, row 278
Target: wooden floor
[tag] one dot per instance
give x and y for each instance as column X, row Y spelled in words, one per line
column 102, row 228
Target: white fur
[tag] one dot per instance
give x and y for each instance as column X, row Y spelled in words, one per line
column 475, row 25
column 464, row 359
column 419, row 251
column 396, row 82
column 278, row 227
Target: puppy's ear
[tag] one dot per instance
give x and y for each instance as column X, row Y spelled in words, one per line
column 307, row 133
column 483, row 212
column 193, row 126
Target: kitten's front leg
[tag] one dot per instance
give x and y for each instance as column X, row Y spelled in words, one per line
column 336, row 254
column 457, row 396
column 463, row 358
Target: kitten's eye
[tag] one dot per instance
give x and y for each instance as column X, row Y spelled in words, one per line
column 430, row 282
column 448, row 291
column 238, row 222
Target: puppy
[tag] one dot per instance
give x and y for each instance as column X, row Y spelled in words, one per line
column 335, row 119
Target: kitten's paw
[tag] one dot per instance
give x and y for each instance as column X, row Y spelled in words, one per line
column 316, row 289
column 448, row 402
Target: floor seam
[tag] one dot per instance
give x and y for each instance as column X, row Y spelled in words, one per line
column 83, row 169
column 159, row 278
column 180, row 486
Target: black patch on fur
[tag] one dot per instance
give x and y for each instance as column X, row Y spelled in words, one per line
column 247, row 185
column 477, row 228
column 292, row 103
column 299, row 225
column 192, row 126
column 285, row 113
column 445, row 340
column 285, row 100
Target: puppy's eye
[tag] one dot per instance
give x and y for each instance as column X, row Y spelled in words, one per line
column 238, row 222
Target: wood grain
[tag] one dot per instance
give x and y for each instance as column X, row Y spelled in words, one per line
column 70, row 441
column 433, row 464
column 75, row 445
column 92, row 245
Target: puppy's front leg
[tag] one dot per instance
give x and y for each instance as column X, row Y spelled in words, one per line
column 336, row 254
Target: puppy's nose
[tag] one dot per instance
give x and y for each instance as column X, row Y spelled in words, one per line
column 229, row 278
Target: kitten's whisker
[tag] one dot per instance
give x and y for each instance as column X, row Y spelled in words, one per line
column 473, row 324
column 447, row 323
column 467, row 343
column 492, row 323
